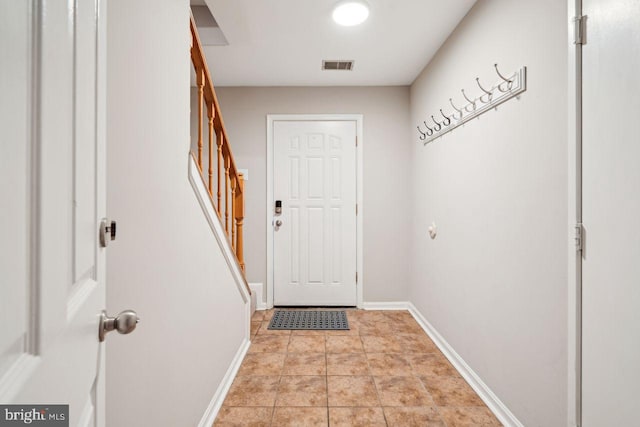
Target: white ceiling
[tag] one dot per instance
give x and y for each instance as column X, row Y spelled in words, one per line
column 283, row 42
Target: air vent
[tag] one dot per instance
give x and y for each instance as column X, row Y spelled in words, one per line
column 346, row 65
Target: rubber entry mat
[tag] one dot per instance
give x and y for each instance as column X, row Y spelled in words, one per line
column 306, row 319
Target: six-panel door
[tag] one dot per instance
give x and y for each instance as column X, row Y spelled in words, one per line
column 53, row 148
column 315, row 180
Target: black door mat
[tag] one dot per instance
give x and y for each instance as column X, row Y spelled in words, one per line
column 307, row 319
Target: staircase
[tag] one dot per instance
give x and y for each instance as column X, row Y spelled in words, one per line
column 225, row 184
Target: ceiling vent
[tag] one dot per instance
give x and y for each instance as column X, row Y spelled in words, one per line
column 346, row 65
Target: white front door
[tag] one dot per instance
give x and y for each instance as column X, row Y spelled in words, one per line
column 314, row 182
column 52, row 181
column 611, row 209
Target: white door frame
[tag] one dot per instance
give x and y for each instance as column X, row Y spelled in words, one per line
column 358, row 118
column 574, row 205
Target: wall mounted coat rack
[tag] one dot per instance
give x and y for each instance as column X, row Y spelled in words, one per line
column 505, row 89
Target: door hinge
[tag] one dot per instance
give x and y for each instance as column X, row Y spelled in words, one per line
column 356, row 209
column 356, row 141
column 580, row 30
column 356, row 277
column 579, row 237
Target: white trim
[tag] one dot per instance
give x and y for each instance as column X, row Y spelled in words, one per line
column 221, row 393
column 248, row 314
column 504, row 415
column 18, row 374
column 257, row 289
column 100, row 403
column 359, row 119
column 574, row 264
column 216, row 226
column 391, row 305
column 269, row 210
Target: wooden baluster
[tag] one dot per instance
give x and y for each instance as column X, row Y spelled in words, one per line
column 233, row 183
column 211, row 113
column 227, row 163
column 239, row 216
column 200, row 78
column 220, row 141
column 233, row 212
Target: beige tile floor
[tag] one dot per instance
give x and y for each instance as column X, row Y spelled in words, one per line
column 384, row 371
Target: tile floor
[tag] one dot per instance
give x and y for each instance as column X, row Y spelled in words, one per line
column 384, row 371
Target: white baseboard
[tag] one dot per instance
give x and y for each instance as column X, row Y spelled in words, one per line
column 391, row 305
column 503, row 413
column 258, row 290
column 218, row 398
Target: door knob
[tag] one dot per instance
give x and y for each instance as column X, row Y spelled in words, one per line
column 278, row 223
column 124, row 323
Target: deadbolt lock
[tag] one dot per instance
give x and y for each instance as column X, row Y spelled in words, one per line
column 107, row 232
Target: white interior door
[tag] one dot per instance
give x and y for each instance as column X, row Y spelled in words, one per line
column 611, row 209
column 314, row 248
column 52, row 181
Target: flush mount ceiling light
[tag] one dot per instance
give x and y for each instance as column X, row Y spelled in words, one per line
column 350, row 12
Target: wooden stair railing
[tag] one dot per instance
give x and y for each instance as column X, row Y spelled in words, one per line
column 222, row 172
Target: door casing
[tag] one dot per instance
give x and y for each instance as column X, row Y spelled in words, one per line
column 574, row 216
column 358, row 119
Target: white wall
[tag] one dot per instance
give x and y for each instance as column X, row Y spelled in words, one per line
column 493, row 283
column 165, row 262
column 386, row 172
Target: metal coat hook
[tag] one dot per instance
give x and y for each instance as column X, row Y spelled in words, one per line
column 484, row 90
column 438, row 126
column 447, row 120
column 509, row 82
column 423, row 135
column 471, row 103
column 429, row 130
column 457, row 109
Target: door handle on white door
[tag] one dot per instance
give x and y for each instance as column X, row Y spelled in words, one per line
column 278, row 223
column 125, row 322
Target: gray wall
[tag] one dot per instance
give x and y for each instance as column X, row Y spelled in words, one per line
column 494, row 281
column 166, row 263
column 386, row 171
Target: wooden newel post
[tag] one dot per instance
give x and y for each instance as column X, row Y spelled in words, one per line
column 234, row 185
column 239, row 213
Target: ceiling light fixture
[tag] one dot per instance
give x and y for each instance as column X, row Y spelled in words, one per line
column 350, row 12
